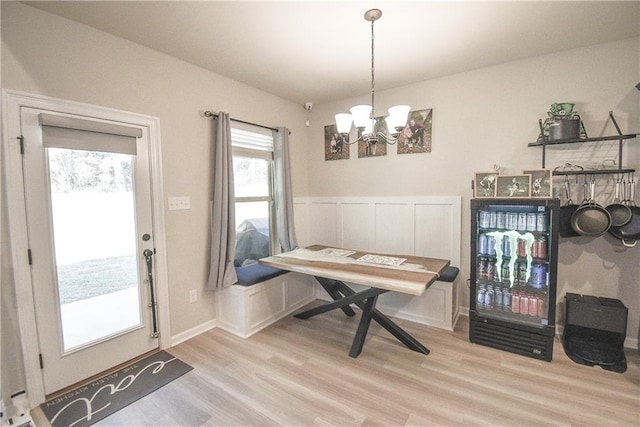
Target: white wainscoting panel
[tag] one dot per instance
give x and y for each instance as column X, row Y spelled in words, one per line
column 245, row 310
column 355, row 225
column 424, row 226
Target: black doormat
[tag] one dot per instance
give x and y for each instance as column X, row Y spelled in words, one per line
column 99, row 399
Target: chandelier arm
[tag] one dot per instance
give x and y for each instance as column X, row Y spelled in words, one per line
column 389, row 140
column 354, row 142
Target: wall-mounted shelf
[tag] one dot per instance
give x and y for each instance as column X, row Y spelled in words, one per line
column 544, row 142
column 577, row 140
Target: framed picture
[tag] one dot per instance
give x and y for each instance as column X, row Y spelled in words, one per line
column 541, row 182
column 485, row 184
column 368, row 149
column 513, row 186
column 416, row 136
column 335, row 145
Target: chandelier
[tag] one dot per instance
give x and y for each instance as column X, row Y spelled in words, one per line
column 363, row 116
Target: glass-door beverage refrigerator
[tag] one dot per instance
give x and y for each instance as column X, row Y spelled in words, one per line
column 514, row 253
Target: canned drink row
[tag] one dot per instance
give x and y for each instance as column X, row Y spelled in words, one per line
column 525, row 221
column 487, row 245
column 494, row 297
column 536, row 274
column 518, row 302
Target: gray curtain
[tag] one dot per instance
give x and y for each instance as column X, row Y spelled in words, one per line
column 223, row 215
column 283, row 194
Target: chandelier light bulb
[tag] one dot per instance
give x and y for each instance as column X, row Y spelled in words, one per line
column 343, row 123
column 361, row 115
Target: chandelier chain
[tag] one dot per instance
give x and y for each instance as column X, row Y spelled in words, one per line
column 373, row 105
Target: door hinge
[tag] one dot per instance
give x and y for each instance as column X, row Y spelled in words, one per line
column 41, row 361
column 29, row 257
column 21, row 139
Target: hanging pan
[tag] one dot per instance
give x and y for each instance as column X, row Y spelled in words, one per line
column 566, row 211
column 620, row 212
column 629, row 233
column 590, row 219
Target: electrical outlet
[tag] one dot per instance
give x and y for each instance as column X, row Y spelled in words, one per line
column 179, row 203
column 193, row 295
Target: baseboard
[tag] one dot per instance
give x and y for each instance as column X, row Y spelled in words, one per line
column 193, row 332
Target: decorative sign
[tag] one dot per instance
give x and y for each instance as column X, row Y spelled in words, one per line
column 541, row 183
column 485, row 184
column 513, row 186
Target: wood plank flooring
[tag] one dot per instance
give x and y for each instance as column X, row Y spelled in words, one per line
column 298, row 373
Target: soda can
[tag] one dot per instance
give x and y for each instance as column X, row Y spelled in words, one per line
column 542, row 308
column 482, row 244
column 541, row 222
column 540, row 247
column 512, row 220
column 489, row 299
column 522, row 273
column 533, row 306
column 524, row 304
column 484, row 218
column 505, row 273
column 506, row 300
column 506, row 247
column 493, row 220
column 482, row 267
column 491, row 269
column 515, row 302
column 538, row 276
column 521, row 250
column 531, row 221
column 480, row 297
column 491, row 246
column 501, row 222
column 498, row 298
column 522, row 221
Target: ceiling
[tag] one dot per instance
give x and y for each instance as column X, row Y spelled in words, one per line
column 320, row 51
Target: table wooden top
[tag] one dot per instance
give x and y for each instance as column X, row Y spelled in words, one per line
column 413, row 277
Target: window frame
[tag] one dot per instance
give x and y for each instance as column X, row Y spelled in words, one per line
column 268, row 155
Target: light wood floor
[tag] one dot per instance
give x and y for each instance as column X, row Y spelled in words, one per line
column 298, row 373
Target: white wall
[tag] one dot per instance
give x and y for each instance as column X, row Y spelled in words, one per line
column 487, row 117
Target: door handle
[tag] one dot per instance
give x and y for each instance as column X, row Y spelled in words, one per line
column 148, row 254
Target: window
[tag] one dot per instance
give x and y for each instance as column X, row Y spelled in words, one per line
column 253, row 186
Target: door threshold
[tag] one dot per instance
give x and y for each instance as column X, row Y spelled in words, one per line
column 95, row 377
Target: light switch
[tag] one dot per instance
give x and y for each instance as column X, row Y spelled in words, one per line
column 179, row 203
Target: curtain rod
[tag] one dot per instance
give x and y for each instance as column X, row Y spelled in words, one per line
column 215, row 116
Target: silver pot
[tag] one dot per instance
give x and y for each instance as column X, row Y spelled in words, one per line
column 564, row 129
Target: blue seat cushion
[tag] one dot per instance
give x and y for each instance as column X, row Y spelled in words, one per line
column 449, row 274
column 256, row 273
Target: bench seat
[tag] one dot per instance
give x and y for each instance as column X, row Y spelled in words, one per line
column 256, row 273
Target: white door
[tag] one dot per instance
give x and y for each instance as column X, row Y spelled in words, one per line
column 89, row 218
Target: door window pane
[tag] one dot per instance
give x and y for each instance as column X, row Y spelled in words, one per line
column 93, row 213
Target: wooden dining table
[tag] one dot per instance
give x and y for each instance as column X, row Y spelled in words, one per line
column 336, row 268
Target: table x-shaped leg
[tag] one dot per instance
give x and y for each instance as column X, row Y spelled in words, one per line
column 366, row 300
